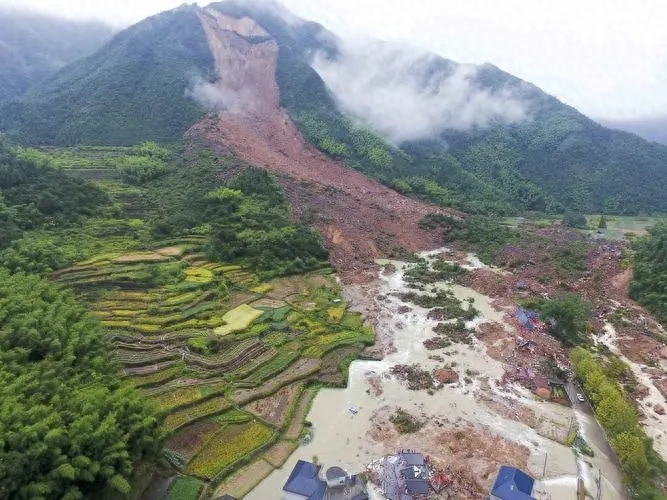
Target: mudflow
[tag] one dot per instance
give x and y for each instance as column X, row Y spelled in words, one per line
column 359, row 218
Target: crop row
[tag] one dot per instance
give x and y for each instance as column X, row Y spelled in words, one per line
column 158, row 377
column 144, row 358
column 186, row 396
column 325, row 343
column 190, row 414
column 228, row 446
column 273, row 367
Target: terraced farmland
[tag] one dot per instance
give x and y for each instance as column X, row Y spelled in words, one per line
column 226, row 357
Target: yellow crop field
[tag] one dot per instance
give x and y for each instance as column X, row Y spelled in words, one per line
column 238, row 319
column 228, row 446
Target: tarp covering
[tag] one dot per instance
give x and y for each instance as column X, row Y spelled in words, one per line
column 527, row 319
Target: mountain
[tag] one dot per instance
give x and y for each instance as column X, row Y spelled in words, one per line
column 256, row 81
column 35, row 46
column 652, row 129
column 132, row 89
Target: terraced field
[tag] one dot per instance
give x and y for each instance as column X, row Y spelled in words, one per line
column 230, row 361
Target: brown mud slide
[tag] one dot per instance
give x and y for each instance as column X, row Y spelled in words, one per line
column 359, row 218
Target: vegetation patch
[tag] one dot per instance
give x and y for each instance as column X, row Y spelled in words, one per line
column 238, row 319
column 228, row 446
column 192, row 438
column 184, row 488
column 207, row 408
column 404, row 422
column 643, row 468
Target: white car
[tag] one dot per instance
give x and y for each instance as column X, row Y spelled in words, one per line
column 580, row 397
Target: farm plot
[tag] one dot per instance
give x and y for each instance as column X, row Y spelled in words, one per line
column 238, row 319
column 243, row 481
column 275, row 408
column 193, row 437
column 228, row 446
column 203, row 338
column 184, row 488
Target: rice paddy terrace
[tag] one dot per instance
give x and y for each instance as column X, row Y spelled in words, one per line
column 231, row 361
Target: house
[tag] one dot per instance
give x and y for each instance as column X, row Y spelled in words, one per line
column 416, row 481
column 304, row 483
column 512, row 484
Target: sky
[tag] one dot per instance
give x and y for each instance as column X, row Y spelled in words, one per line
column 607, row 58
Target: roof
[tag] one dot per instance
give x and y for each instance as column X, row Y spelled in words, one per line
column 512, row 484
column 335, row 473
column 304, row 480
column 412, row 458
column 416, row 487
column 225, row 497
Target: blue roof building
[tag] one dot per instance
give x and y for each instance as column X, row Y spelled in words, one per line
column 512, row 484
column 304, row 482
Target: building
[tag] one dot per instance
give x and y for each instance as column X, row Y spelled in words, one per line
column 304, row 483
column 512, row 484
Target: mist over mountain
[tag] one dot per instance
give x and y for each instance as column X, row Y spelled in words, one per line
column 471, row 137
column 651, row 129
column 34, row 46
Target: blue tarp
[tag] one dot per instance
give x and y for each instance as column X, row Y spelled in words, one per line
column 304, row 480
column 512, row 484
column 526, row 318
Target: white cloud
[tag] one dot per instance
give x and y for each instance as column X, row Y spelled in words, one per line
column 607, row 58
column 216, row 97
column 406, row 95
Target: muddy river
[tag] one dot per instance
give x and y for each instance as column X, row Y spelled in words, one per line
column 342, row 418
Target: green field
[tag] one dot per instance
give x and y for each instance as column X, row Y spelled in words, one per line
column 187, row 327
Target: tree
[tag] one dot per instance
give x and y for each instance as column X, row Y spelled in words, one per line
column 603, row 222
column 568, row 317
column 68, row 428
column 575, row 220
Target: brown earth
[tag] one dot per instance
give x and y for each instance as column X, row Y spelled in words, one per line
column 274, row 408
column 470, row 455
column 359, row 218
column 192, row 438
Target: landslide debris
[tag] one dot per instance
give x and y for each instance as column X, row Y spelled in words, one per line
column 359, row 218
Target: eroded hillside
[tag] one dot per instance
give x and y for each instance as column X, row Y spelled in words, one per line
column 360, row 218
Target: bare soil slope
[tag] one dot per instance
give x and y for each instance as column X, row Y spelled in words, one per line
column 360, row 218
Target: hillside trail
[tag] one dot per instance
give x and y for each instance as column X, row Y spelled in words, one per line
column 359, row 218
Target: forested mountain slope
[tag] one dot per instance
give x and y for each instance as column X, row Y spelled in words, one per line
column 490, row 142
column 132, row 89
column 35, row 46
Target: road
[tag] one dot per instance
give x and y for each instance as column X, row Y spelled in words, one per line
column 591, row 427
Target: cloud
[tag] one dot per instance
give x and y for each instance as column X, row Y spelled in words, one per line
column 217, row 97
column 407, row 94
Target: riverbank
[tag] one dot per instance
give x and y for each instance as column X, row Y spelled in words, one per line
column 473, row 425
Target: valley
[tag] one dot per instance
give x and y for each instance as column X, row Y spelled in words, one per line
column 217, row 278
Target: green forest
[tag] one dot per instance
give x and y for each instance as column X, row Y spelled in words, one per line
column 649, row 282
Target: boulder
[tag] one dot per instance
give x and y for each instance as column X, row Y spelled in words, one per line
column 642, row 391
column 446, row 376
column 659, row 409
column 663, row 353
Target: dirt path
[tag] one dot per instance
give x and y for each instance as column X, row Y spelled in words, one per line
column 360, row 218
